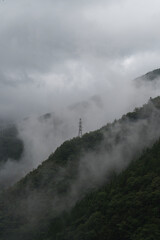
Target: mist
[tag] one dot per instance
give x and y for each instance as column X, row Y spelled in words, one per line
column 72, row 60
column 55, row 54
column 122, row 142
column 41, row 135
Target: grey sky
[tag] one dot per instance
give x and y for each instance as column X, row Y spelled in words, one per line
column 56, row 53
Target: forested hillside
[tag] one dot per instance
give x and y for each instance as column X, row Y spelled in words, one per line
column 104, row 185
column 126, row 208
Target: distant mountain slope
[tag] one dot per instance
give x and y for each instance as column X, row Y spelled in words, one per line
column 150, row 76
column 31, row 208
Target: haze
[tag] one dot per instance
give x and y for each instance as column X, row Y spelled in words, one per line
column 56, row 54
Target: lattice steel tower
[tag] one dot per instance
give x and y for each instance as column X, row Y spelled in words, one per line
column 80, row 128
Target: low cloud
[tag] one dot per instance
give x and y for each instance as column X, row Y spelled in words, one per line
column 73, row 60
column 122, row 143
column 54, row 54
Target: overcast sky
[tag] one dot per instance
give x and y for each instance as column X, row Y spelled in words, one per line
column 57, row 53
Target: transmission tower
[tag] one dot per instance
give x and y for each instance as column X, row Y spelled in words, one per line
column 80, row 128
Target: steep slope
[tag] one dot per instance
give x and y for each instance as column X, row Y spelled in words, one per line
column 126, row 209
column 78, row 167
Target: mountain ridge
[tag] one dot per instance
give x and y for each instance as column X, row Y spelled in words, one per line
column 149, row 76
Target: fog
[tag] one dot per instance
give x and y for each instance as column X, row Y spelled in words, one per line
column 96, row 167
column 57, row 53
column 74, row 60
column 122, row 142
column 65, row 60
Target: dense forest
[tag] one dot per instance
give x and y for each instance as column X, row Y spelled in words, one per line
column 104, row 185
column 126, row 208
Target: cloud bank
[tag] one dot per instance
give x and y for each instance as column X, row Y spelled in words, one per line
column 73, row 59
column 57, row 53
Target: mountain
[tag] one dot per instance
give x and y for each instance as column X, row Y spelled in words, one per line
column 150, row 76
column 104, row 185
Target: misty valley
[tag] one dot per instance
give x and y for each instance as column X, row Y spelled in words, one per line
column 79, row 120
column 104, row 184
